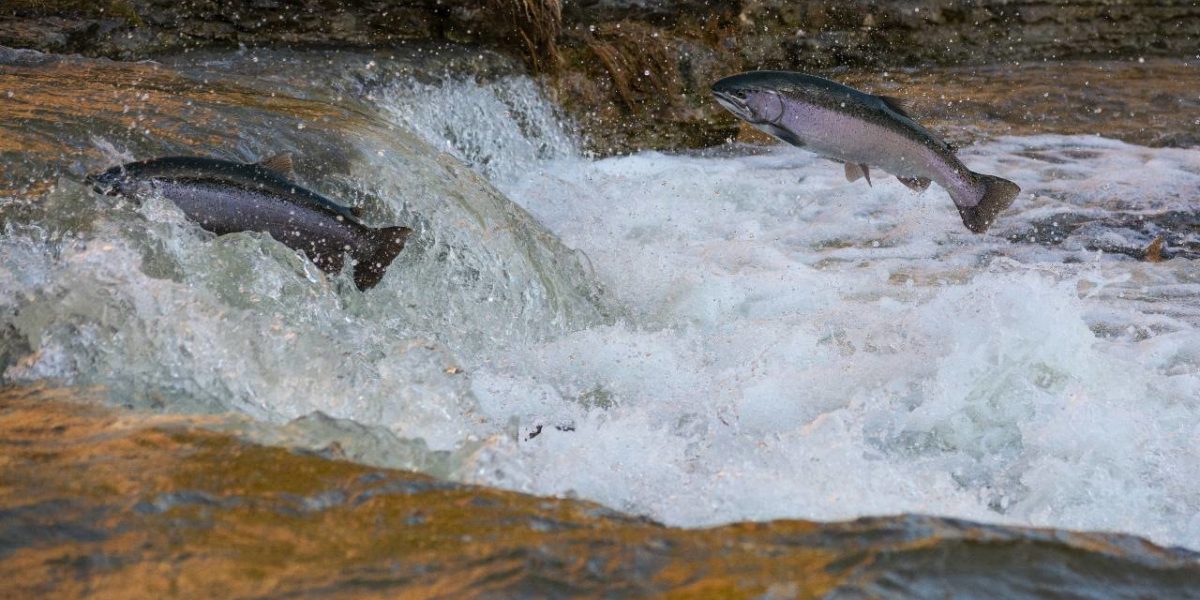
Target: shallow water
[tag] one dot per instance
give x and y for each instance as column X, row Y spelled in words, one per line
column 741, row 334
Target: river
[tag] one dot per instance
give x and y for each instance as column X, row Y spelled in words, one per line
column 699, row 337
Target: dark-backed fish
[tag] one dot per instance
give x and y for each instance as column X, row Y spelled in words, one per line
column 862, row 130
column 226, row 197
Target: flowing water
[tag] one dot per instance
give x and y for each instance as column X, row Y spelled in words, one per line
column 706, row 337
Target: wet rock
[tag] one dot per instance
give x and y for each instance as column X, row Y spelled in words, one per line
column 120, row 504
column 692, row 42
column 655, row 11
column 1154, row 237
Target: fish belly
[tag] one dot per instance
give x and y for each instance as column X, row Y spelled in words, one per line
column 848, row 138
column 224, row 209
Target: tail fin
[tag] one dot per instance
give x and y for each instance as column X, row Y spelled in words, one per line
column 998, row 194
column 387, row 243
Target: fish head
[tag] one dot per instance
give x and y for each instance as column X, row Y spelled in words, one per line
column 116, row 181
column 750, row 99
column 735, row 101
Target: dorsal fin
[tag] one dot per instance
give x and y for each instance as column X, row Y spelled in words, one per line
column 280, row 163
column 896, row 104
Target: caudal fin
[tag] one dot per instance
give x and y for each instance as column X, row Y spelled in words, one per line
column 998, row 194
column 388, row 242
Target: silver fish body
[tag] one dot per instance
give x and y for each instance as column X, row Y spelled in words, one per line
column 862, row 130
column 226, row 197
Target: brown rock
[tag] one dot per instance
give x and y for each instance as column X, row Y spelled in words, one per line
column 684, row 44
column 104, row 503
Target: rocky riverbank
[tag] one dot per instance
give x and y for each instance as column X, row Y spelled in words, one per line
column 100, row 501
column 104, row 503
column 635, row 74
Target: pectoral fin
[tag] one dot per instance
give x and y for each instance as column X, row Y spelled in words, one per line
column 854, row 172
column 782, row 134
column 916, row 184
column 280, row 163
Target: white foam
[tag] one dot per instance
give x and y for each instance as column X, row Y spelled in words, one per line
column 804, row 347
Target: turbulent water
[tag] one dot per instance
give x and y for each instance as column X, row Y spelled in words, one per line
column 741, row 333
column 800, row 346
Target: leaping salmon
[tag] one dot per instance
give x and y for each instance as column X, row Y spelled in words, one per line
column 225, row 197
column 862, row 130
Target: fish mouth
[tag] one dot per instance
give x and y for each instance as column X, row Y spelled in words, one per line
column 733, row 104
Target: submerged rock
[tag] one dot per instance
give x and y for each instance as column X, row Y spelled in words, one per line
column 1154, row 237
column 104, row 503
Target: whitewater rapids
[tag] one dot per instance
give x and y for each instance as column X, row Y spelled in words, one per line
column 724, row 335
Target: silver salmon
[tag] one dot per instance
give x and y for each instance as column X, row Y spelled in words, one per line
column 226, row 197
column 862, row 130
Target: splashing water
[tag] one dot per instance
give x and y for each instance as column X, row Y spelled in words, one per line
column 499, row 129
column 804, row 347
column 785, row 344
column 134, row 297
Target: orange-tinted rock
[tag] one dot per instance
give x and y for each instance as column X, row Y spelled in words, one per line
column 102, row 503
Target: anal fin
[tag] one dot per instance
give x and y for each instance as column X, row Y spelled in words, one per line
column 854, row 172
column 916, row 184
